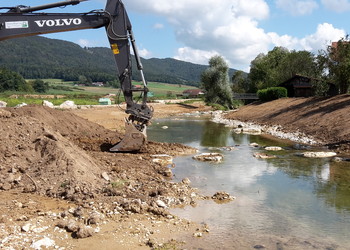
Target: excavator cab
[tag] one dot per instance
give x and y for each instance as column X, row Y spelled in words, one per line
column 21, row 21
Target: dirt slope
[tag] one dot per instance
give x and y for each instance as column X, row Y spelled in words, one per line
column 55, row 153
column 325, row 119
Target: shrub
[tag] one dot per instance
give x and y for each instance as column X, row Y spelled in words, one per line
column 272, row 93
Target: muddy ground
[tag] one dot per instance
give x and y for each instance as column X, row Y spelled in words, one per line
column 60, row 187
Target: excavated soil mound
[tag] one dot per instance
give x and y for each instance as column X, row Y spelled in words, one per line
column 56, row 153
column 324, row 119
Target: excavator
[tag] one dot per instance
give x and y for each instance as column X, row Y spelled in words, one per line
column 21, row 21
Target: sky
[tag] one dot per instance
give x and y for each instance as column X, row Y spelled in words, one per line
column 237, row 30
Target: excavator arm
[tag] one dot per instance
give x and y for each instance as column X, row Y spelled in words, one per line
column 21, row 21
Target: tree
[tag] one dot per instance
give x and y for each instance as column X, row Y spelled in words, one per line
column 279, row 65
column 10, row 80
column 215, row 82
column 40, row 86
column 240, row 82
column 336, row 61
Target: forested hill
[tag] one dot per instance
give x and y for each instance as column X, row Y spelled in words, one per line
column 40, row 57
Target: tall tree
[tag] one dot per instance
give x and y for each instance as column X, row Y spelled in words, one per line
column 215, row 82
column 336, row 61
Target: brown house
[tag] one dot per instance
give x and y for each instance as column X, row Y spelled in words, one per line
column 301, row 86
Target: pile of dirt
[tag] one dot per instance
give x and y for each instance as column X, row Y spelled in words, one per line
column 58, row 154
column 324, row 119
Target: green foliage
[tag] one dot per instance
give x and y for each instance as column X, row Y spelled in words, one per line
column 40, row 86
column 241, row 83
column 216, row 84
column 336, row 60
column 40, row 58
column 10, row 80
column 279, row 65
column 272, row 93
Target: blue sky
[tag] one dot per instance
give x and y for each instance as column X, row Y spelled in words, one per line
column 238, row 30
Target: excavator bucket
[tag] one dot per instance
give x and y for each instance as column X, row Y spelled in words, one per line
column 133, row 139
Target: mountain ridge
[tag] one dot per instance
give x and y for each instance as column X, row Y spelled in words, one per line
column 40, row 57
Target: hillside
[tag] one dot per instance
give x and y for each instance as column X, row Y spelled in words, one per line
column 324, row 119
column 40, row 57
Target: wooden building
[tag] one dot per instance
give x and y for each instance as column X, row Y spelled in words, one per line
column 301, row 86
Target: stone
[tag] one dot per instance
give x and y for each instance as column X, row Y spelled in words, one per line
column 162, row 159
column 3, row 104
column 85, row 232
column 26, row 227
column 68, row 105
column 160, row 203
column 318, row 154
column 21, row 105
column 45, row 242
column 48, row 104
column 273, row 148
column 216, row 157
column 263, row 156
column 221, row 196
column 105, row 176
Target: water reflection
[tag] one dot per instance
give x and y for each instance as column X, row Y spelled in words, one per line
column 288, row 196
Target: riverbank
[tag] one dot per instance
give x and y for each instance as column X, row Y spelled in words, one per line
column 324, row 121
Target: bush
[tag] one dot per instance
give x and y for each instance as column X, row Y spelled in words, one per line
column 272, row 93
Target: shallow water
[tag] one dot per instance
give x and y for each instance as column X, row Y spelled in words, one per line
column 288, row 202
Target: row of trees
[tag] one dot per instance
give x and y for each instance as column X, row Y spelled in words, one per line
column 280, row 64
column 275, row 67
column 10, row 80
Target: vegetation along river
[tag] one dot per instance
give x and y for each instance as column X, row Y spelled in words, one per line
column 289, row 202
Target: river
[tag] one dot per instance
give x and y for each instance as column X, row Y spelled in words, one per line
column 289, row 202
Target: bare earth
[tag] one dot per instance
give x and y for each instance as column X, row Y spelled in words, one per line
column 324, row 119
column 60, row 187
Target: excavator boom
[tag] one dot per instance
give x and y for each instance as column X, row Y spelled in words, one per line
column 21, row 21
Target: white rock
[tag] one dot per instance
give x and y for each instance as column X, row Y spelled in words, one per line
column 209, row 157
column 68, row 105
column 3, row 104
column 105, row 176
column 45, row 242
column 26, row 227
column 165, row 127
column 160, row 203
column 318, row 154
column 264, row 156
column 21, row 105
column 273, row 148
column 48, row 104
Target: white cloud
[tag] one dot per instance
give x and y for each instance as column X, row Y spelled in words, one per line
column 337, row 5
column 297, row 7
column 158, row 26
column 144, row 53
column 231, row 28
column 84, row 43
column 194, row 55
column 324, row 35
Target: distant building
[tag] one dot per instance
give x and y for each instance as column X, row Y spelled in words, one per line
column 301, row 86
column 192, row 93
column 99, row 84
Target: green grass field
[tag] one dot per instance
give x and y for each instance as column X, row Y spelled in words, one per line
column 86, row 95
